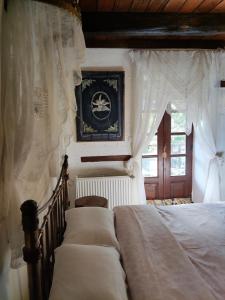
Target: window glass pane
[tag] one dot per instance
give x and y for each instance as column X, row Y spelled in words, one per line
column 178, row 144
column 178, row 166
column 178, row 122
column 149, row 167
column 151, row 149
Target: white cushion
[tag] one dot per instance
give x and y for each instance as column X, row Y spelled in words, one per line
column 90, row 226
column 85, row 272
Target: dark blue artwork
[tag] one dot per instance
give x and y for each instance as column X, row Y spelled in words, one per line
column 100, row 106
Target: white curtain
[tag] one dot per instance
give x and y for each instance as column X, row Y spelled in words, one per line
column 207, row 163
column 16, row 105
column 58, row 52
column 188, row 80
column 46, row 47
column 148, row 108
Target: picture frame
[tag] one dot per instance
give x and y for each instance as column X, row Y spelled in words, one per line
column 100, row 106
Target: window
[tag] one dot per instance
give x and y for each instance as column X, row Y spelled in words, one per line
column 167, row 160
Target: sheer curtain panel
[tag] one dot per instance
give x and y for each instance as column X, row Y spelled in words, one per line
column 148, row 108
column 16, row 108
column 188, row 79
column 43, row 49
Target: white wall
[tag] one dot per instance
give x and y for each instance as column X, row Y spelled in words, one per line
column 118, row 59
column 103, row 59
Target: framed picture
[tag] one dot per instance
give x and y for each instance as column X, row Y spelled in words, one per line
column 100, row 101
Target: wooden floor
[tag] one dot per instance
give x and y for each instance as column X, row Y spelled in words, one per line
column 173, row 201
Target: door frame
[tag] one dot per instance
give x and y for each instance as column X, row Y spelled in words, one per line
column 164, row 183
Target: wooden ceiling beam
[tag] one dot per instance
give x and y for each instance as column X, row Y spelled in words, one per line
column 154, row 43
column 174, row 6
column 220, row 7
column 207, row 6
column 119, row 25
column 122, row 5
column 222, row 83
column 139, row 5
column 157, row 5
column 105, row 5
column 88, row 5
column 190, row 6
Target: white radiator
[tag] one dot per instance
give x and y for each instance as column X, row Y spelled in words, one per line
column 117, row 189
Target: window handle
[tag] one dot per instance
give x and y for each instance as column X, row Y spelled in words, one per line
column 164, row 154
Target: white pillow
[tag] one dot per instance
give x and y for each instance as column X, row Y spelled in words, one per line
column 85, row 272
column 90, row 226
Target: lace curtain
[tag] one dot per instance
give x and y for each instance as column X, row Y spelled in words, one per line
column 16, row 106
column 187, row 79
column 149, row 106
column 43, row 50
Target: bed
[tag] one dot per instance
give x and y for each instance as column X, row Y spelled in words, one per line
column 133, row 252
column 173, row 252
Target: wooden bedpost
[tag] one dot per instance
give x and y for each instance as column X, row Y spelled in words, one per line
column 65, row 179
column 31, row 251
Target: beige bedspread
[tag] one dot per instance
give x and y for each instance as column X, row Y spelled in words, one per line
column 173, row 253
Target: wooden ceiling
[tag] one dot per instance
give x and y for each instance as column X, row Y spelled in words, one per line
column 154, row 23
column 160, row 6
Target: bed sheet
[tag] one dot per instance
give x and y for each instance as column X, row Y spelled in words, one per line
column 173, row 253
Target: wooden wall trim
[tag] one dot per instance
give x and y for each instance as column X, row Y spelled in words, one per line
column 105, row 158
column 222, row 83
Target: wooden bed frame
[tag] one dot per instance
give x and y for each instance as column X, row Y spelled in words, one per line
column 41, row 241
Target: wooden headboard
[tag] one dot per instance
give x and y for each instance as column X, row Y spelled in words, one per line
column 41, row 241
